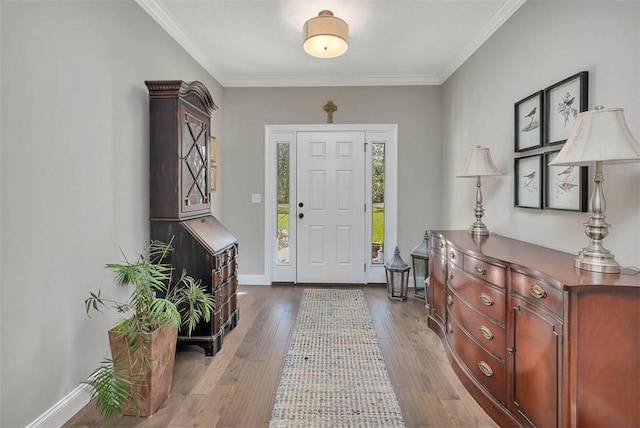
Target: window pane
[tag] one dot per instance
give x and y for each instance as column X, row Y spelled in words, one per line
column 377, row 203
column 283, row 249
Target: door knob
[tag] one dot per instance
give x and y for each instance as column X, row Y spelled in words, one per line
column 301, row 205
column 300, row 215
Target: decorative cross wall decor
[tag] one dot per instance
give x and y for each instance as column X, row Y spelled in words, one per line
column 330, row 107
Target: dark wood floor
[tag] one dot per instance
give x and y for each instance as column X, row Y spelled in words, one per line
column 237, row 387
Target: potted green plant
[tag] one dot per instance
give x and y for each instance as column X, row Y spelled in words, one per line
column 136, row 380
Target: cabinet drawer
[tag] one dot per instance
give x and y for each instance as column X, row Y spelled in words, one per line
column 491, row 273
column 217, row 298
column 486, row 299
column 233, row 303
column 437, row 244
column 489, row 371
column 233, row 268
column 226, row 291
column 225, row 313
column 454, row 256
column 537, row 291
column 484, row 330
column 224, row 272
column 234, row 285
column 233, row 252
column 216, row 321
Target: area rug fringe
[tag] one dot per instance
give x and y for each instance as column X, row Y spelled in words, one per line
column 334, row 373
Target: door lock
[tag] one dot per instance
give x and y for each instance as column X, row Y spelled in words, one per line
column 300, row 215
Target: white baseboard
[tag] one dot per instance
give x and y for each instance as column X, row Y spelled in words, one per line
column 64, row 409
column 252, row 280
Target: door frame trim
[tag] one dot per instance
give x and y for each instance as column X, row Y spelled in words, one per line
column 274, row 133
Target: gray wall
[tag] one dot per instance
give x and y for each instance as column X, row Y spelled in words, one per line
column 74, row 175
column 541, row 44
column 416, row 110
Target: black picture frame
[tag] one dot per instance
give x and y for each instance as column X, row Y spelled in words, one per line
column 566, row 187
column 563, row 101
column 528, row 122
column 528, row 180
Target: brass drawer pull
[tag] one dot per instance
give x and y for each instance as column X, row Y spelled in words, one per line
column 452, row 255
column 450, row 276
column 486, row 332
column 481, row 270
column 450, row 328
column 537, row 291
column 449, row 301
column 441, row 244
column 486, row 300
column 485, row 369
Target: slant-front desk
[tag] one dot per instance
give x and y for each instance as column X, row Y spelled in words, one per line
column 535, row 341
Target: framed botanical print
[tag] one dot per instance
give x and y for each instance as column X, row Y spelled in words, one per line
column 563, row 102
column 565, row 186
column 528, row 181
column 214, row 148
column 528, row 122
column 214, row 177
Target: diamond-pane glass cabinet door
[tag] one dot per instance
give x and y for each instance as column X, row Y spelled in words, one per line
column 194, row 166
column 179, row 164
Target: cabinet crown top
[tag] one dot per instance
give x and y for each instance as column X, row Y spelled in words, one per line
column 194, row 92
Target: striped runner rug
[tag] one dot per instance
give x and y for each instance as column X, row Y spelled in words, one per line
column 334, row 372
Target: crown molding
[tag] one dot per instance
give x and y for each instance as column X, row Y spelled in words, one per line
column 508, row 8
column 161, row 16
column 316, row 81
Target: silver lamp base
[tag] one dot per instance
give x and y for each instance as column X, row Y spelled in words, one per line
column 596, row 261
column 478, row 229
column 595, row 257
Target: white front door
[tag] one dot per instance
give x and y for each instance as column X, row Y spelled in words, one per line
column 330, row 207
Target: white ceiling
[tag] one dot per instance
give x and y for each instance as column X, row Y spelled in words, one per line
column 252, row 43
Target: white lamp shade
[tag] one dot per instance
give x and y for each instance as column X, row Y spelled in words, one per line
column 599, row 135
column 478, row 164
column 325, row 36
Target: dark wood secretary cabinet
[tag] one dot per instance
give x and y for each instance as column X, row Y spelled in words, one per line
column 179, row 153
column 537, row 342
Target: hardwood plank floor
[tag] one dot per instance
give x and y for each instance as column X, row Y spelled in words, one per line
column 237, row 387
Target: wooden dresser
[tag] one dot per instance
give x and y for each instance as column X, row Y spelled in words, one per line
column 535, row 341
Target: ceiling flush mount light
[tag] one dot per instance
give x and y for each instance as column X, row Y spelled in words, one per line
column 325, row 36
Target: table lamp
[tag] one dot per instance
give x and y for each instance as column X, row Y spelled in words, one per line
column 478, row 164
column 600, row 136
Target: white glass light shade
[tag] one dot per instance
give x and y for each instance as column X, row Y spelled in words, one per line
column 599, row 135
column 478, row 164
column 325, row 36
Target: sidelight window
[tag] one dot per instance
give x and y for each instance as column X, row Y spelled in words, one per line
column 283, row 249
column 377, row 202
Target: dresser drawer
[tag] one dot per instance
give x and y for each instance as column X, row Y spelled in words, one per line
column 485, row 331
column 537, row 291
column 489, row 371
column 437, row 244
column 485, row 298
column 489, row 272
column 454, row 256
